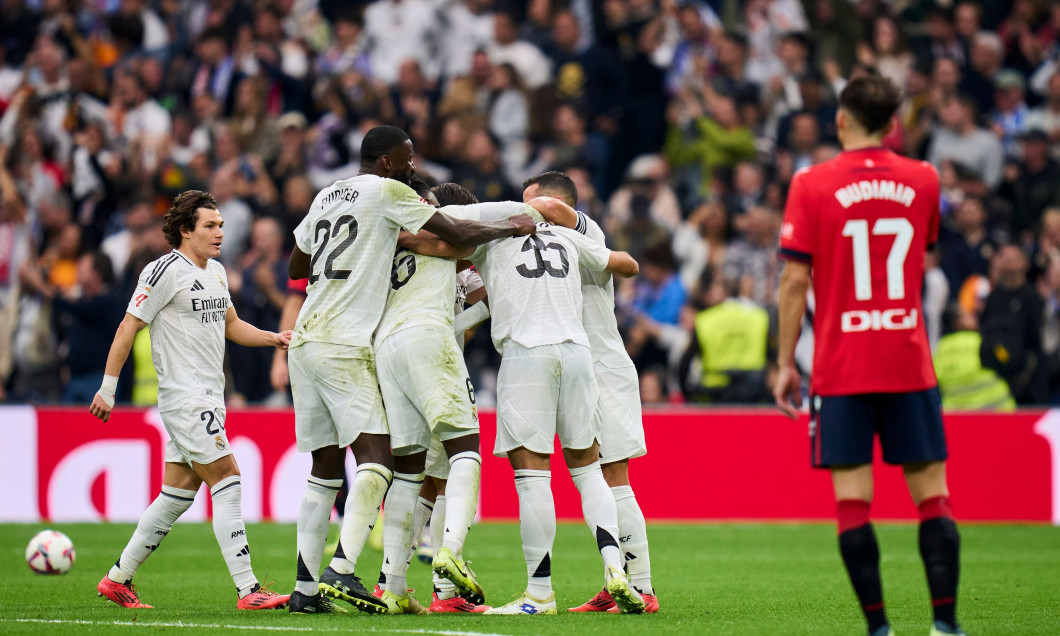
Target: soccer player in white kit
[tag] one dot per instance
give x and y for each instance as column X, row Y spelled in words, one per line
column 345, row 246
column 184, row 297
column 546, row 388
column 622, row 430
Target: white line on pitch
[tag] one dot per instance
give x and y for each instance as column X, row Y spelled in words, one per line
column 268, row 628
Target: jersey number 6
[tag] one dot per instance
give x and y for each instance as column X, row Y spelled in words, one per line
column 324, row 225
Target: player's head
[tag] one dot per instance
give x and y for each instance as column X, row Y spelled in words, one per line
column 423, row 189
column 866, row 108
column 551, row 184
column 195, row 223
column 454, row 194
column 387, row 152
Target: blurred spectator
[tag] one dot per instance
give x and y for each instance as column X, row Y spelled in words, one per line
column 525, row 56
column 646, row 178
column 985, row 61
column 958, row 139
column 1009, row 117
column 1038, row 185
column 730, row 341
column 1046, row 117
column 235, row 212
column 964, row 244
column 940, row 40
column 587, row 76
column 659, row 293
column 701, row 241
column 964, row 383
column 707, row 133
column 653, row 387
column 259, row 293
column 400, row 30
column 1011, row 326
column 216, row 73
column 509, row 118
column 751, row 261
column 481, row 171
column 695, row 51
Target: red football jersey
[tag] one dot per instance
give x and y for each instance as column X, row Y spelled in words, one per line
column 863, row 221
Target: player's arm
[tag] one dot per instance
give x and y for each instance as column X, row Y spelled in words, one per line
column 555, row 211
column 103, row 401
column 794, row 282
column 622, row 264
column 428, row 244
column 246, row 334
column 463, row 233
column 279, row 375
column 298, row 265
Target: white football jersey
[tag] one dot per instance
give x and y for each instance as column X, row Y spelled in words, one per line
column 467, row 282
column 424, row 289
column 185, row 307
column 598, row 307
column 534, row 284
column 351, row 234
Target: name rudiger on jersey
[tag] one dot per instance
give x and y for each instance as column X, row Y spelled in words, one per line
column 213, row 309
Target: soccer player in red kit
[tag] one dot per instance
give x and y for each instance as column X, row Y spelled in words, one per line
column 861, row 224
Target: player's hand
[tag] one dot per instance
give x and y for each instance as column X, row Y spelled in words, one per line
column 283, row 339
column 279, row 374
column 787, row 391
column 523, row 225
column 99, row 408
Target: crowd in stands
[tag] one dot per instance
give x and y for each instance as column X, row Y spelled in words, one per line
column 682, row 124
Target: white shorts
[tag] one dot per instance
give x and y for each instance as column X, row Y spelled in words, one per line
column 543, row 392
column 425, row 388
column 196, row 434
column 437, row 459
column 336, row 395
column 621, row 426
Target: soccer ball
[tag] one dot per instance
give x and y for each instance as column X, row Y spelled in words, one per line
column 50, row 552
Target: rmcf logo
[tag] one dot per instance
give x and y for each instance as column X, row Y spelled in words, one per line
column 858, row 320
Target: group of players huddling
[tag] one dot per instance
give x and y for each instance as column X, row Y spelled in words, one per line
column 376, row 365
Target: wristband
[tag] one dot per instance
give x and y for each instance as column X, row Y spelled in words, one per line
column 106, row 390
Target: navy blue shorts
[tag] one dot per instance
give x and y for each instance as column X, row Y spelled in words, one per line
column 842, row 428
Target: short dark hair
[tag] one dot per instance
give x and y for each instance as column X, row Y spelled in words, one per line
column 102, row 266
column 872, row 100
column 454, row 194
column 185, row 214
column 421, row 187
column 555, row 183
column 380, row 141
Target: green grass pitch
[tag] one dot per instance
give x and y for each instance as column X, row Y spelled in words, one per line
column 710, row 579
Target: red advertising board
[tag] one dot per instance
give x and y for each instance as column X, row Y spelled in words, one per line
column 64, row 465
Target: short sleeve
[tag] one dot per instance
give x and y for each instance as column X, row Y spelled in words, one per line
column 582, row 224
column 303, row 235
column 591, row 255
column 797, row 233
column 154, row 289
column 406, row 209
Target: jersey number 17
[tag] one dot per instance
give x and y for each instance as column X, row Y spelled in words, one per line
column 858, row 231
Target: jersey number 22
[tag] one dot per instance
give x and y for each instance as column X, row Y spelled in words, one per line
column 330, row 232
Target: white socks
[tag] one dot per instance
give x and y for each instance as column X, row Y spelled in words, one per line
column 154, row 525
column 598, row 508
column 314, row 517
column 537, row 527
column 461, row 493
column 634, row 536
column 398, row 528
column 443, row 586
column 424, row 509
column 231, row 534
column 367, row 490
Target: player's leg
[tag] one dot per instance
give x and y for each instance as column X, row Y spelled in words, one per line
column 579, row 398
column 460, row 503
column 179, row 485
column 842, row 431
column 527, row 398
column 398, row 531
column 347, row 411
column 424, row 510
column 316, row 434
column 913, row 436
column 632, row 531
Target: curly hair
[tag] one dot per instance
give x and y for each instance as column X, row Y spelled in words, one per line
column 185, row 214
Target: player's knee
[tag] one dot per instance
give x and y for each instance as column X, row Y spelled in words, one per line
column 578, row 457
column 328, row 462
column 463, row 444
column 412, row 464
column 373, row 449
column 616, row 473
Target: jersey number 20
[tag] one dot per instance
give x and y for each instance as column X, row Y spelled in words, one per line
column 902, row 231
column 330, row 232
